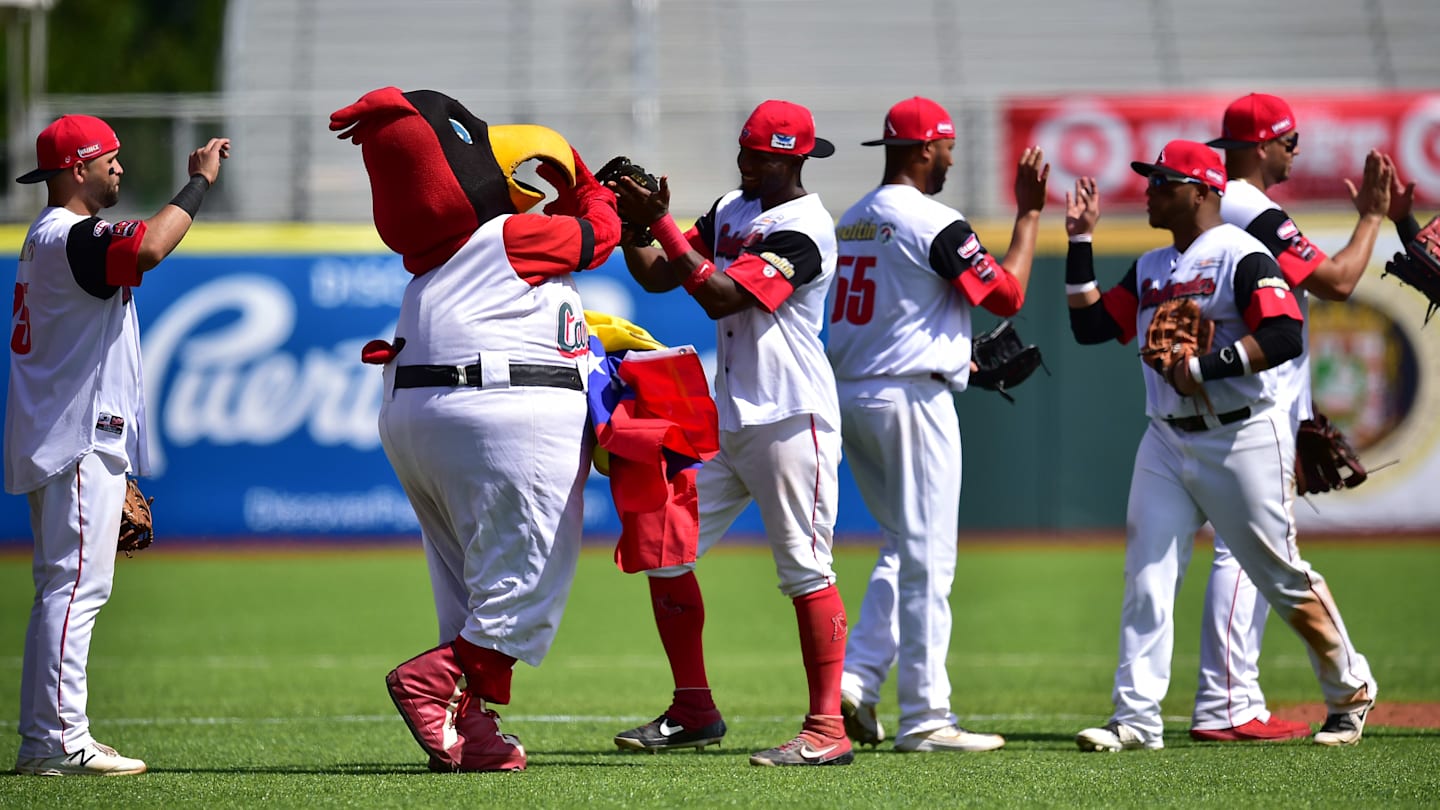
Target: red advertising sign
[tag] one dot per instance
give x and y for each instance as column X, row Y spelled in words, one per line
column 1099, row 136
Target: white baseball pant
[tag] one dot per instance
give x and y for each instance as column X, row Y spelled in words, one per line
column 75, row 518
column 902, row 439
column 1239, row 477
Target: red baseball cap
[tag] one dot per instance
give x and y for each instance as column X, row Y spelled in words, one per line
column 784, row 128
column 913, row 121
column 1256, row 118
column 70, row 139
column 1186, row 161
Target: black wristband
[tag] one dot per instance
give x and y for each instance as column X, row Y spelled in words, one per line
column 1080, row 263
column 190, row 197
column 1227, row 362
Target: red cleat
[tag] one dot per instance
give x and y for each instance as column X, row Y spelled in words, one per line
column 1272, row 730
column 423, row 689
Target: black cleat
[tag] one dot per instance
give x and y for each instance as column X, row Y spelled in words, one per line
column 663, row 734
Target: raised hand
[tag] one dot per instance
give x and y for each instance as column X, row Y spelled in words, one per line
column 1373, row 196
column 1032, row 174
column 205, row 161
column 1402, row 196
column 1082, row 207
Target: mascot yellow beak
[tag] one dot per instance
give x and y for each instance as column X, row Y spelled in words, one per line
column 514, row 144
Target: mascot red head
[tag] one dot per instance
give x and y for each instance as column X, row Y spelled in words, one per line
column 437, row 172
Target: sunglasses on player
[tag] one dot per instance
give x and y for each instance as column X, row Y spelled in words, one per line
column 1157, row 180
column 1291, row 143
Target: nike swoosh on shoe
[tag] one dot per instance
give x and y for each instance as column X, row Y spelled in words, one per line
column 810, row 753
column 668, row 730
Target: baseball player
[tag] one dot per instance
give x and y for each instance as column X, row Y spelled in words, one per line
column 1261, row 140
column 760, row 263
column 910, row 270
column 484, row 416
column 1219, row 445
column 75, row 416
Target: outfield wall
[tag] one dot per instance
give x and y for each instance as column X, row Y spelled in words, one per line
column 263, row 418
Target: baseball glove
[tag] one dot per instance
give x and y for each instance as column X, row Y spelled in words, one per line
column 1177, row 332
column 1002, row 360
column 137, row 526
column 1324, row 459
column 619, row 167
column 1419, row 265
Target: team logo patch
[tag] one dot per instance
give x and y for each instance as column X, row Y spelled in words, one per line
column 111, row 423
column 786, row 142
column 101, row 226
column 1301, row 247
column 88, row 151
column 779, row 264
column 1287, row 230
column 126, row 228
column 945, row 128
column 886, row 234
column 970, row 248
column 27, row 253
column 1214, row 176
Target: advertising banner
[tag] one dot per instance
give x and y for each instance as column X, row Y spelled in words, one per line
column 1099, row 135
column 263, row 418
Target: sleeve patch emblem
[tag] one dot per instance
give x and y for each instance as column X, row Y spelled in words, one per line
column 780, row 264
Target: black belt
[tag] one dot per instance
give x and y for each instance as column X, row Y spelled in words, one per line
column 456, row 376
column 1195, row 424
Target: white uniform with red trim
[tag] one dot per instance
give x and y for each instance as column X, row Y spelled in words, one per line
column 1235, row 471
column 775, row 393
column 495, row 469
column 74, row 426
column 910, row 271
column 1233, row 625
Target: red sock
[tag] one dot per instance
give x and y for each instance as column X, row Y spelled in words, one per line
column 680, row 618
column 821, row 616
column 487, row 672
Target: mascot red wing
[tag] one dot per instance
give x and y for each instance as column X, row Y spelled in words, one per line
column 484, row 412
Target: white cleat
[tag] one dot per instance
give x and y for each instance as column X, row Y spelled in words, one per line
column 1345, row 728
column 949, row 738
column 1114, row 736
column 95, row 759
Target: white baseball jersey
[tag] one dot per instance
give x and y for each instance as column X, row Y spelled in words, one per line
column 1233, row 290
column 75, row 381
column 910, row 271
column 1248, row 207
column 770, row 363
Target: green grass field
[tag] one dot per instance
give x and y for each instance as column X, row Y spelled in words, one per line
column 254, row 678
